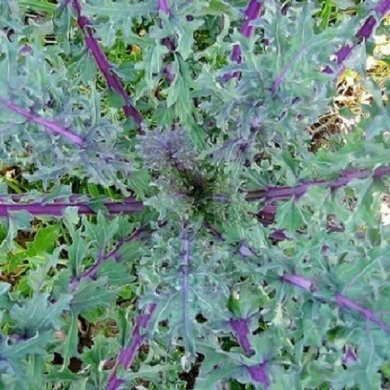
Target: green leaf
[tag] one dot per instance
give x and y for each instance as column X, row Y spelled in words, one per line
column 115, row 100
column 210, row 377
column 77, row 252
column 216, row 7
column 289, row 216
column 95, row 357
column 19, row 220
column 38, row 314
column 92, row 294
column 35, row 344
column 364, row 374
column 69, row 348
column 38, row 5
column 103, row 231
column 88, row 71
column 117, row 274
column 185, row 32
column 140, row 182
column 179, row 92
column 43, row 243
column 153, row 63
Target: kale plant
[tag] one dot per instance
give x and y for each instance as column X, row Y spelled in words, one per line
column 166, row 223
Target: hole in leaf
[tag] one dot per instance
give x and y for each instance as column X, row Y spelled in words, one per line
column 199, row 318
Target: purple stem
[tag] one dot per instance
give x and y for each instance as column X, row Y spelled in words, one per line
column 50, row 126
column 367, row 29
column 299, row 281
column 244, row 250
column 74, row 283
column 185, row 270
column 308, row 285
column 241, row 331
column 113, row 254
column 267, row 217
column 163, row 6
column 344, row 53
column 341, row 300
column 104, row 65
column 128, row 205
column 259, row 374
column 276, row 193
column 383, row 7
column 127, row 355
column 237, row 53
column 363, row 33
column 369, row 315
column 280, row 77
column 252, row 13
